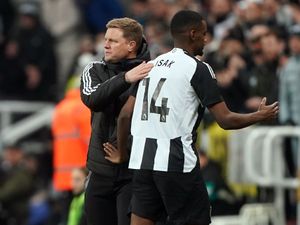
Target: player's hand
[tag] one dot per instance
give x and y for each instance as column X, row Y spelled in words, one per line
column 268, row 111
column 112, row 153
column 253, row 103
column 138, row 72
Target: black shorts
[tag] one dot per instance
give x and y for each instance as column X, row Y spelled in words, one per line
column 181, row 196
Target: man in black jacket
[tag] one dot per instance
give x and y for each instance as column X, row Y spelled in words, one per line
column 104, row 89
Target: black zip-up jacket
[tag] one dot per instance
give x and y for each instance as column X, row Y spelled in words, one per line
column 104, row 90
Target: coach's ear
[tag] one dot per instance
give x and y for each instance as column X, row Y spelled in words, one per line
column 131, row 46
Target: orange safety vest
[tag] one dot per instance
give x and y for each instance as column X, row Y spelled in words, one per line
column 71, row 132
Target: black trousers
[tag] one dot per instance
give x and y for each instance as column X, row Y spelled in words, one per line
column 107, row 200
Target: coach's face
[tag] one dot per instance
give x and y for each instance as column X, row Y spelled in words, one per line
column 200, row 38
column 116, row 47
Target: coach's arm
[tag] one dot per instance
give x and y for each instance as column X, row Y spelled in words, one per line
column 120, row 154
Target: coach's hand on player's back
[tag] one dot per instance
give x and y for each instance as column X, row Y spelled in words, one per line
column 138, row 72
column 268, row 111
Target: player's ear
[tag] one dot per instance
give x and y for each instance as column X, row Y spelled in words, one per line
column 192, row 34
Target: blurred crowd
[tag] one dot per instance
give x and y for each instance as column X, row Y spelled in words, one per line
column 252, row 45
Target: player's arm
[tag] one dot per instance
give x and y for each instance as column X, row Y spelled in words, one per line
column 120, row 154
column 205, row 85
column 123, row 129
column 231, row 120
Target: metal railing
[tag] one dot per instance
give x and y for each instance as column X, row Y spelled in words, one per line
column 271, row 172
column 251, row 214
column 38, row 115
column 256, row 157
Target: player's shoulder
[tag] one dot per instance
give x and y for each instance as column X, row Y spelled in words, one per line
column 161, row 56
column 201, row 65
column 182, row 57
column 204, row 67
column 193, row 59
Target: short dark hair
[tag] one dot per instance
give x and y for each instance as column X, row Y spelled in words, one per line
column 183, row 21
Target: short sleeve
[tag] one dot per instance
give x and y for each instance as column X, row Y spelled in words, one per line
column 205, row 85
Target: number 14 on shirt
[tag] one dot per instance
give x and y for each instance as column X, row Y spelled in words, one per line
column 162, row 110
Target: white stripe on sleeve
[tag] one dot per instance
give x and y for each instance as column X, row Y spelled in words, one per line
column 86, row 79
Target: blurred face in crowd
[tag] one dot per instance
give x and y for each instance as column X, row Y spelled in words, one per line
column 271, row 47
column 154, row 32
column 78, row 181
column 116, row 47
column 12, row 156
column 254, row 41
column 295, row 12
column 158, row 8
column 27, row 21
column 294, row 44
column 253, row 12
column 220, row 8
column 271, row 7
column 139, row 8
column 231, row 47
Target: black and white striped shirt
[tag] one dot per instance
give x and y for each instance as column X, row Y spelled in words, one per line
column 169, row 106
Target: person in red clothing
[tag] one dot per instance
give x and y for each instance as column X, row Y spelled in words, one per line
column 71, row 132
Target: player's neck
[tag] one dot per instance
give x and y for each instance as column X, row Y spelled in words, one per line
column 184, row 47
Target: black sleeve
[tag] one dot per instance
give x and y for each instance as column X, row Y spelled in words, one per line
column 134, row 89
column 97, row 93
column 205, row 85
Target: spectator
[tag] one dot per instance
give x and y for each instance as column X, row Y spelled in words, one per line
column 295, row 12
column 289, row 92
column 278, row 13
column 264, row 77
column 156, row 37
column 253, row 43
column 39, row 208
column 76, row 212
column 139, row 11
column 7, row 16
column 71, row 133
column 16, row 186
column 221, row 198
column 160, row 10
column 289, row 114
column 67, row 29
column 96, row 13
column 254, row 12
column 231, row 71
column 87, row 53
column 29, row 64
column 221, row 17
column 290, row 82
